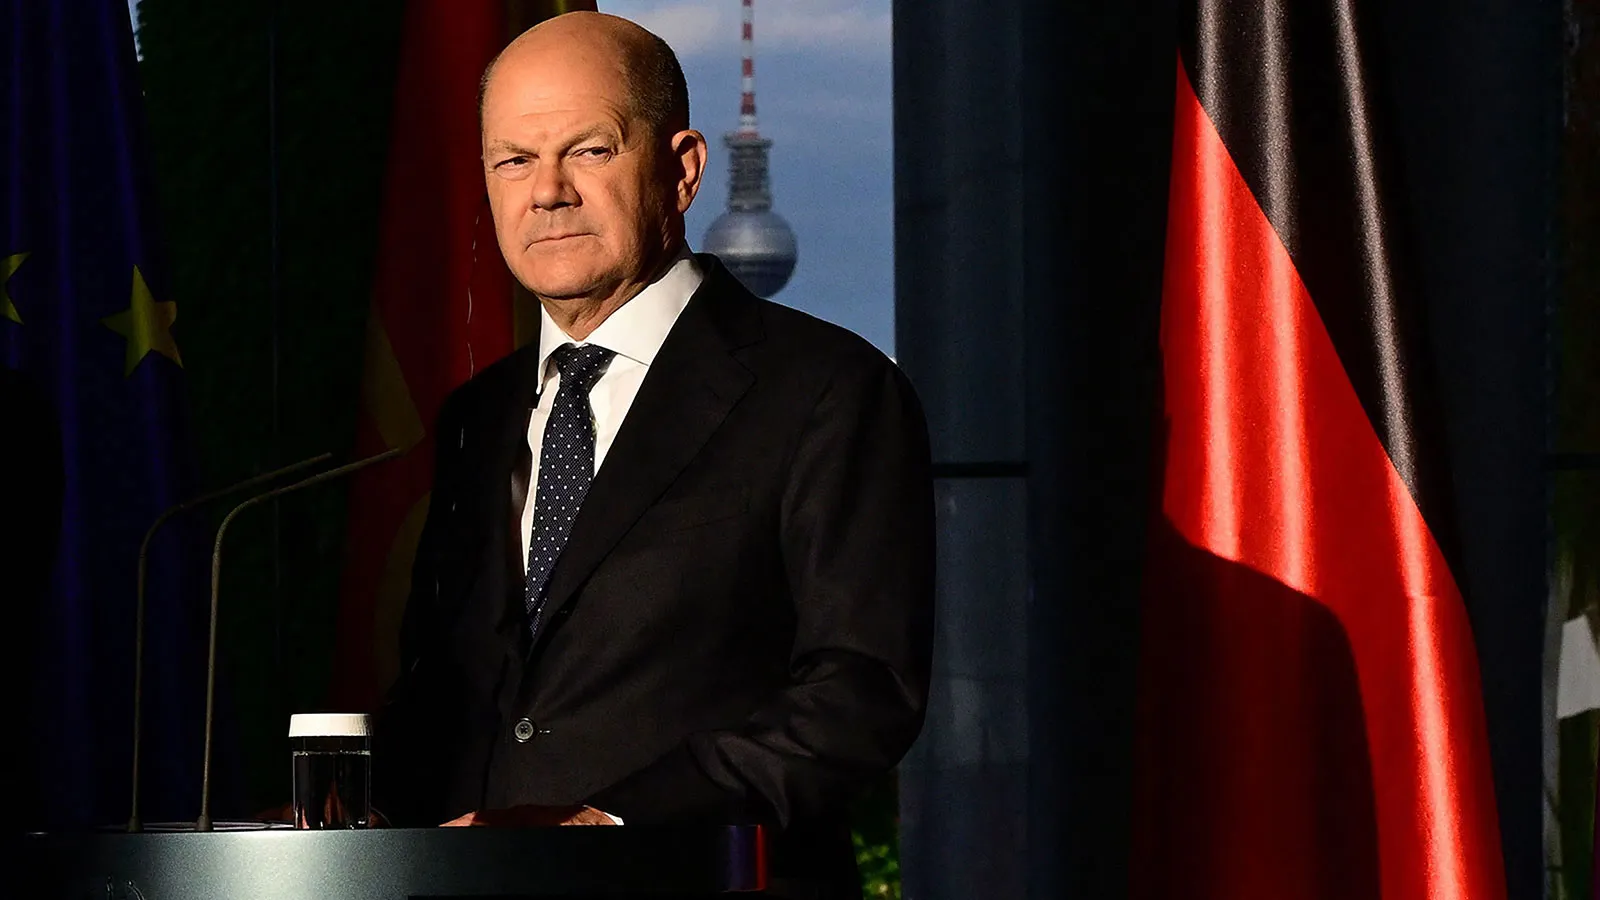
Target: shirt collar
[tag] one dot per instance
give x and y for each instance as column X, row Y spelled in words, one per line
column 639, row 327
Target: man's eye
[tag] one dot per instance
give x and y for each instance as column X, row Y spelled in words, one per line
column 513, row 168
column 594, row 152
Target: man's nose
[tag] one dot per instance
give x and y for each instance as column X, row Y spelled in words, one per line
column 552, row 189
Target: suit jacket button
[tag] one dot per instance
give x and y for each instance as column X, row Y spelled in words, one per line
column 523, row 731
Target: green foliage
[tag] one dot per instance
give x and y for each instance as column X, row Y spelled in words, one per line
column 880, row 868
column 1576, row 799
column 876, row 835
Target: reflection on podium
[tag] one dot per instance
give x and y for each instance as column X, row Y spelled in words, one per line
column 256, row 862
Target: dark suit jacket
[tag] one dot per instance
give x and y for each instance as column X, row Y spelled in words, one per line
column 740, row 625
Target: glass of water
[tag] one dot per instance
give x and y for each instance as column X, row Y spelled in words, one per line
column 332, row 770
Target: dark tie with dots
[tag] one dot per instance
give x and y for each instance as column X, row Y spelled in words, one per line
column 566, row 466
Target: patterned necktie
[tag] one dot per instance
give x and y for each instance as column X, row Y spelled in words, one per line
column 566, row 466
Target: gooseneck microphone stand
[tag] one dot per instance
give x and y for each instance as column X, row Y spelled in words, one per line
column 135, row 824
column 203, row 823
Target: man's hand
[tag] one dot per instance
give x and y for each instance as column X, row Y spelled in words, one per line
column 276, row 814
column 532, row 817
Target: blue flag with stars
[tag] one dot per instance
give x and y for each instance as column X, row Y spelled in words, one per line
column 95, row 441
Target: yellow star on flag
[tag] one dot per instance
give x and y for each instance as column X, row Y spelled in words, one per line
column 7, row 268
column 146, row 324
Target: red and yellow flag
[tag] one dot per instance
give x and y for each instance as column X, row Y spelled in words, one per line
column 442, row 310
column 1311, row 722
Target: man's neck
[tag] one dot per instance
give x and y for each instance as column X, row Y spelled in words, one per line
column 580, row 316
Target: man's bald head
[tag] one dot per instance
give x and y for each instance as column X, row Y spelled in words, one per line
column 652, row 78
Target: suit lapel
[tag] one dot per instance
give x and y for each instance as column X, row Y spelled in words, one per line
column 507, row 462
column 692, row 385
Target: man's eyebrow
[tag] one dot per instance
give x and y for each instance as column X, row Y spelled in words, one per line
column 504, row 146
column 589, row 134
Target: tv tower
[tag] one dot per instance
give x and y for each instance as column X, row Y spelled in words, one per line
column 754, row 242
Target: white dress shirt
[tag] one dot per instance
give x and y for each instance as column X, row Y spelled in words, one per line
column 634, row 333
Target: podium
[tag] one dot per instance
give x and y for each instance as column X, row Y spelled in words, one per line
column 395, row 864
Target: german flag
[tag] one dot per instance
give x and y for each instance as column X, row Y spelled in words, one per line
column 1310, row 719
column 443, row 308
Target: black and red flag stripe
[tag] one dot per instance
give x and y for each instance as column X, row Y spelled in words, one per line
column 1311, row 721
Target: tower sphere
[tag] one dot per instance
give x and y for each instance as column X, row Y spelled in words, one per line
column 754, row 242
column 757, row 246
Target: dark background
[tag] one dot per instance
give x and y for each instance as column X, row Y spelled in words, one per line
column 1031, row 163
column 1031, row 335
column 268, row 130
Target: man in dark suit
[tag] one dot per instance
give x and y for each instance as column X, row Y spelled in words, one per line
column 678, row 562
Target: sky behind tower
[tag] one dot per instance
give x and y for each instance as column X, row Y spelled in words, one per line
column 823, row 96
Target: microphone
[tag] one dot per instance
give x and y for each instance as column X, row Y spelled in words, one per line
column 134, row 823
column 203, row 823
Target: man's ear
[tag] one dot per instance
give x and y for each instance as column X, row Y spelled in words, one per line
column 686, row 160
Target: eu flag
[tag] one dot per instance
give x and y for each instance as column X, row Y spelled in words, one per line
column 95, row 443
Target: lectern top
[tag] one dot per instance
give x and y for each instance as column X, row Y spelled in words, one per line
column 393, row 863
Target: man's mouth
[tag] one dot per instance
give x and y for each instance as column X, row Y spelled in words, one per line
column 550, row 238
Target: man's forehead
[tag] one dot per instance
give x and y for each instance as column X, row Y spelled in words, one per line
column 534, row 97
column 552, row 122
column 554, row 93
column 542, row 77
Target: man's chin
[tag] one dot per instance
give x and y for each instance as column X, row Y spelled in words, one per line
column 558, row 279
column 564, row 289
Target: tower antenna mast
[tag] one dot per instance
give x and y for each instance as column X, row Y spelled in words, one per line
column 754, row 242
